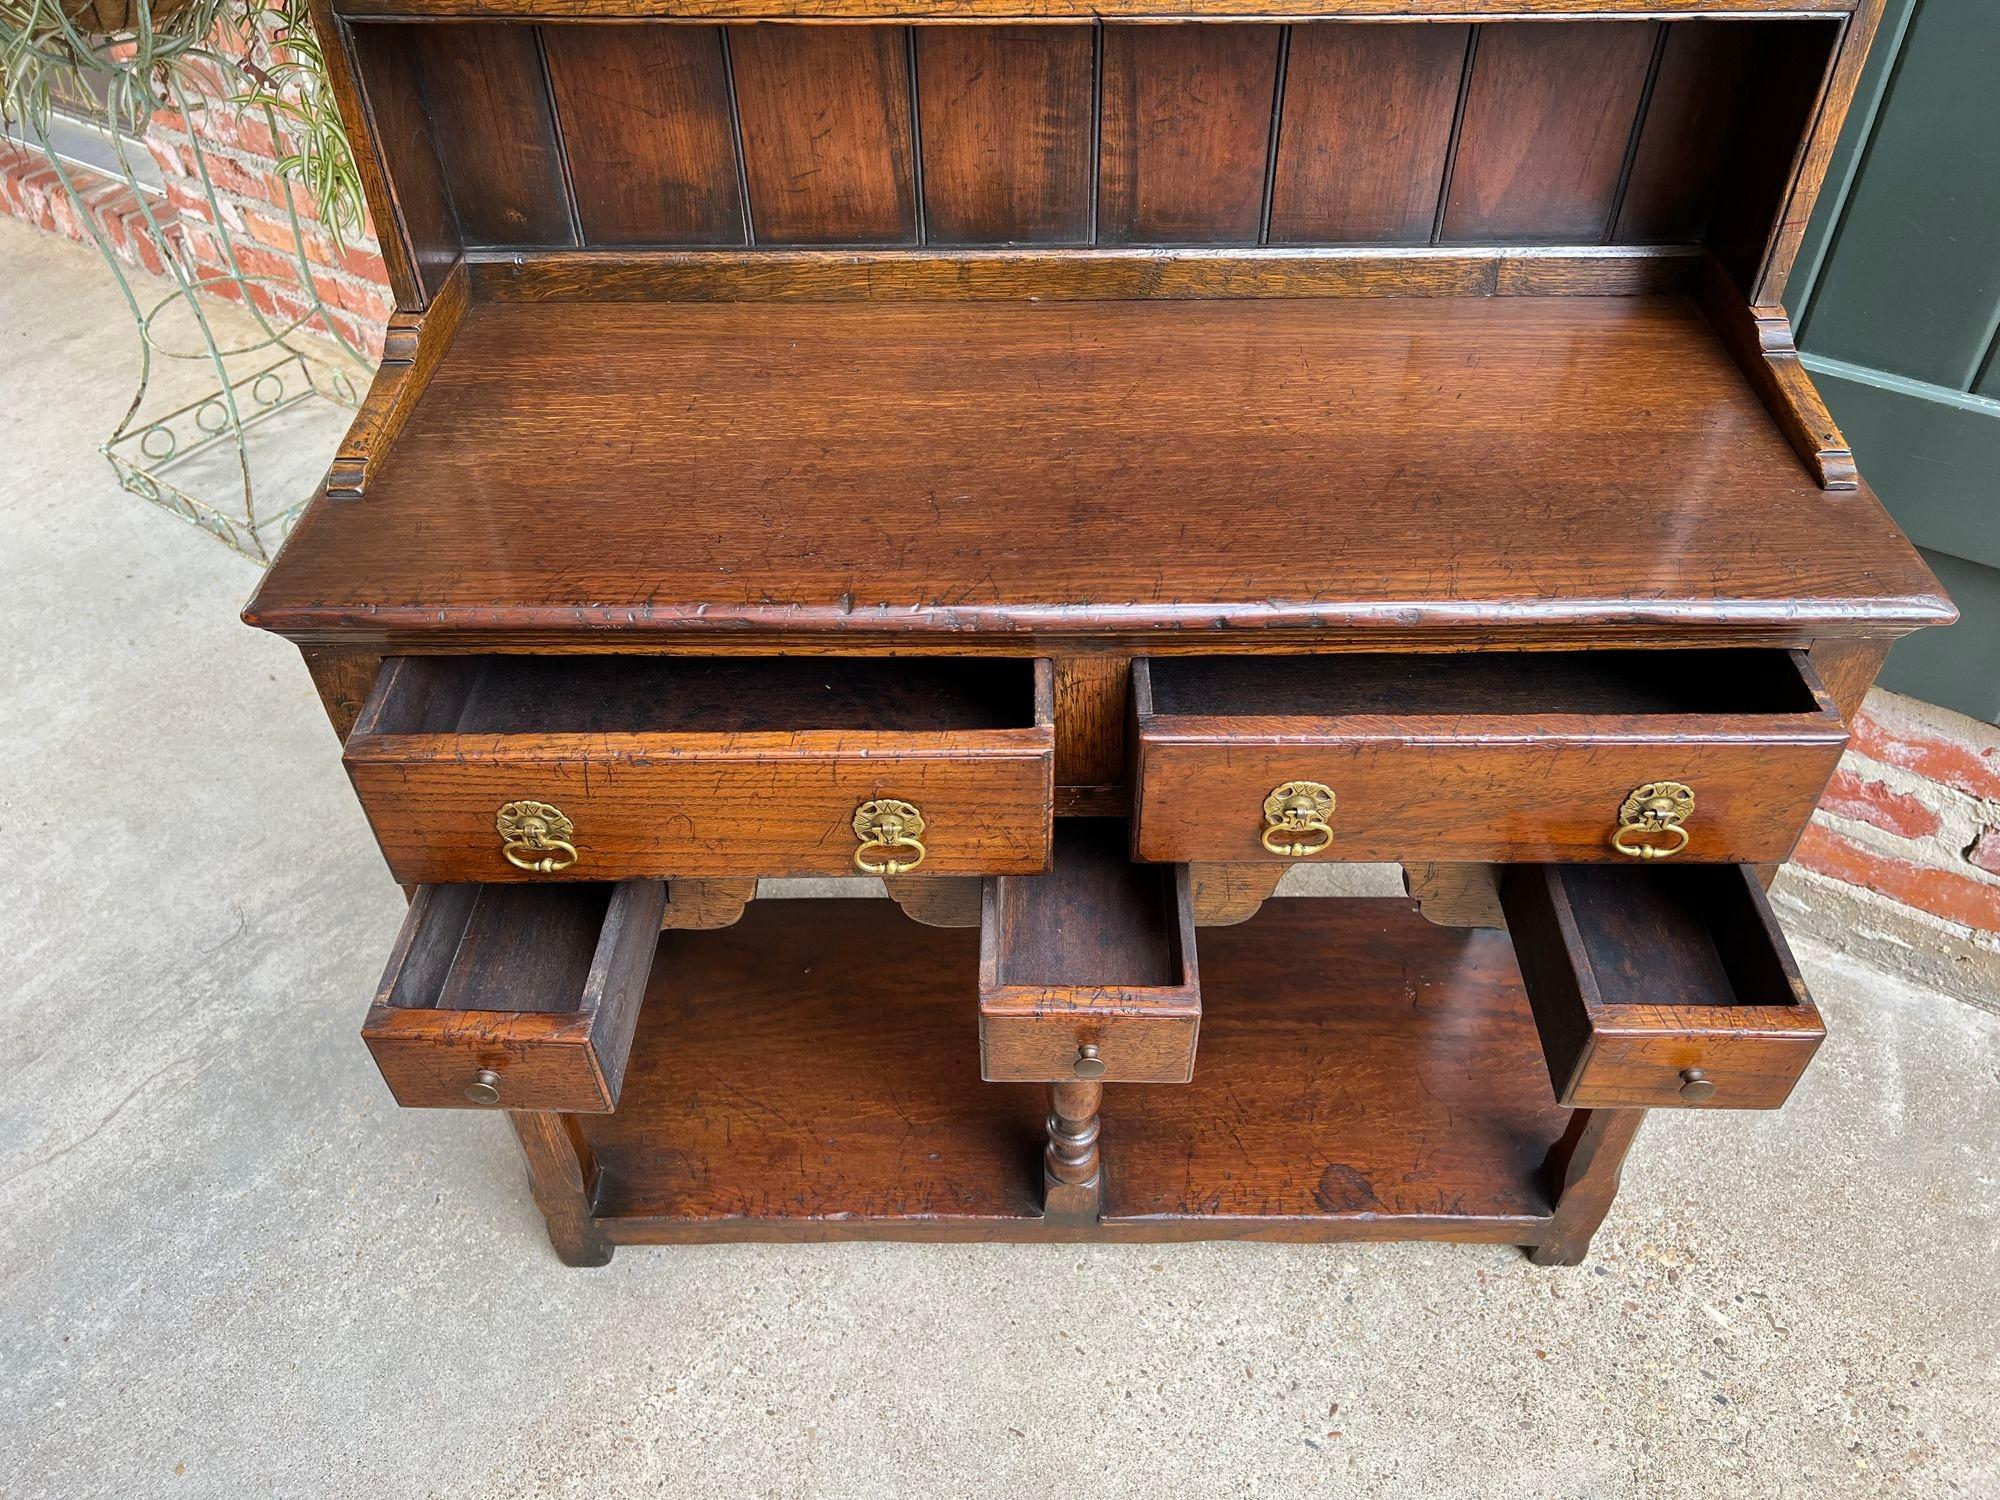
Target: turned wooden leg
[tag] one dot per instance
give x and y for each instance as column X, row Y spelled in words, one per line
column 562, row 1172
column 1582, row 1174
column 1072, row 1171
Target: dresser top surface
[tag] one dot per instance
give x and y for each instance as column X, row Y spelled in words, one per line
column 1504, row 466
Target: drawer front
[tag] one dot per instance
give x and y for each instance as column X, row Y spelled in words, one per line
column 1112, row 1043
column 1662, row 987
column 551, row 794
column 1440, row 780
column 1088, row 972
column 515, row 997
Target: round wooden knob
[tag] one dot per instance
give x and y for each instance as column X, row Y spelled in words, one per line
column 1696, row 1086
column 484, row 1088
column 1088, row 1063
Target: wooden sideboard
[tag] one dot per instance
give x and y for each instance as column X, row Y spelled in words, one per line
column 1077, row 463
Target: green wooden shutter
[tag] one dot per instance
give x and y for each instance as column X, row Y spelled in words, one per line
column 1896, row 299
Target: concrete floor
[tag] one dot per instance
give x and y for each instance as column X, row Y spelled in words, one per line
column 229, row 1266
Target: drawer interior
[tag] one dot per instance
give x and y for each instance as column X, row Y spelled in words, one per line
column 1088, row 972
column 515, row 996
column 499, row 947
column 1484, row 682
column 687, row 695
column 1660, row 985
column 1096, row 919
column 1678, row 935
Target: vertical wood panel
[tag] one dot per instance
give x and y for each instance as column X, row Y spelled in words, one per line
column 645, row 121
column 1006, row 117
column 1365, row 131
column 1186, row 133
column 827, row 143
column 1691, row 123
column 1548, row 116
column 414, row 181
column 495, row 132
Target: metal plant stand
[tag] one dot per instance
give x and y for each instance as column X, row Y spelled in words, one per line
column 197, row 458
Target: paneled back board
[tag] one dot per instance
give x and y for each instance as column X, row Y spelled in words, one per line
column 568, row 135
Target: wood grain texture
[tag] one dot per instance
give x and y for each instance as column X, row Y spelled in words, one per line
column 495, row 132
column 1640, row 975
column 563, row 1176
column 1760, row 341
column 1084, row 11
column 1093, row 704
column 937, row 900
column 1456, row 895
column 877, row 472
column 1087, row 275
column 343, row 678
column 1848, row 668
column 705, row 905
column 376, row 84
column 412, row 350
column 1790, row 123
column 779, row 1086
column 1365, row 133
column 1514, row 779
column 1099, row 952
column 1185, row 133
column 1707, row 70
column 645, row 123
column 1583, row 1171
column 1358, row 1066
column 827, row 143
column 763, row 1102
column 1224, row 895
column 1006, row 128
column 1549, row 112
column 1831, row 100
column 649, row 796
column 1072, row 1166
column 538, row 987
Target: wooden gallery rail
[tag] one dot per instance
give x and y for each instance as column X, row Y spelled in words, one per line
column 1076, row 465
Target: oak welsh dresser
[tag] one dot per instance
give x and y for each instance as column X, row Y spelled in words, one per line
column 1077, row 462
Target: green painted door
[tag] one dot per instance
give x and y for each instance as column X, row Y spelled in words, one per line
column 1896, row 299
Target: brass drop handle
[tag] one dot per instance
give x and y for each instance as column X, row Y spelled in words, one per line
column 1295, row 819
column 536, row 837
column 1088, row 1063
column 891, row 837
column 1652, row 819
column 484, row 1088
column 1696, row 1086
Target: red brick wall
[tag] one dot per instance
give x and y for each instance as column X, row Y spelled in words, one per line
column 241, row 157
column 1913, row 813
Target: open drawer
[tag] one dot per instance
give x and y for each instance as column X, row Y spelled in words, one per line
column 1661, row 986
column 516, row 997
column 504, row 768
column 1480, row 757
column 1089, row 971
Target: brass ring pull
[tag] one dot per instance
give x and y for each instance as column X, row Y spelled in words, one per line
column 1623, row 840
column 884, row 827
column 536, row 837
column 1657, row 811
column 1295, row 820
column 548, row 858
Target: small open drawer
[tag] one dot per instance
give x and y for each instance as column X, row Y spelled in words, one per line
column 1661, row 986
column 500, row 768
column 1480, row 757
column 1089, row 971
column 516, row 997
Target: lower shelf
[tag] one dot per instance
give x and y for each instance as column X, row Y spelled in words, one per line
column 813, row 1073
